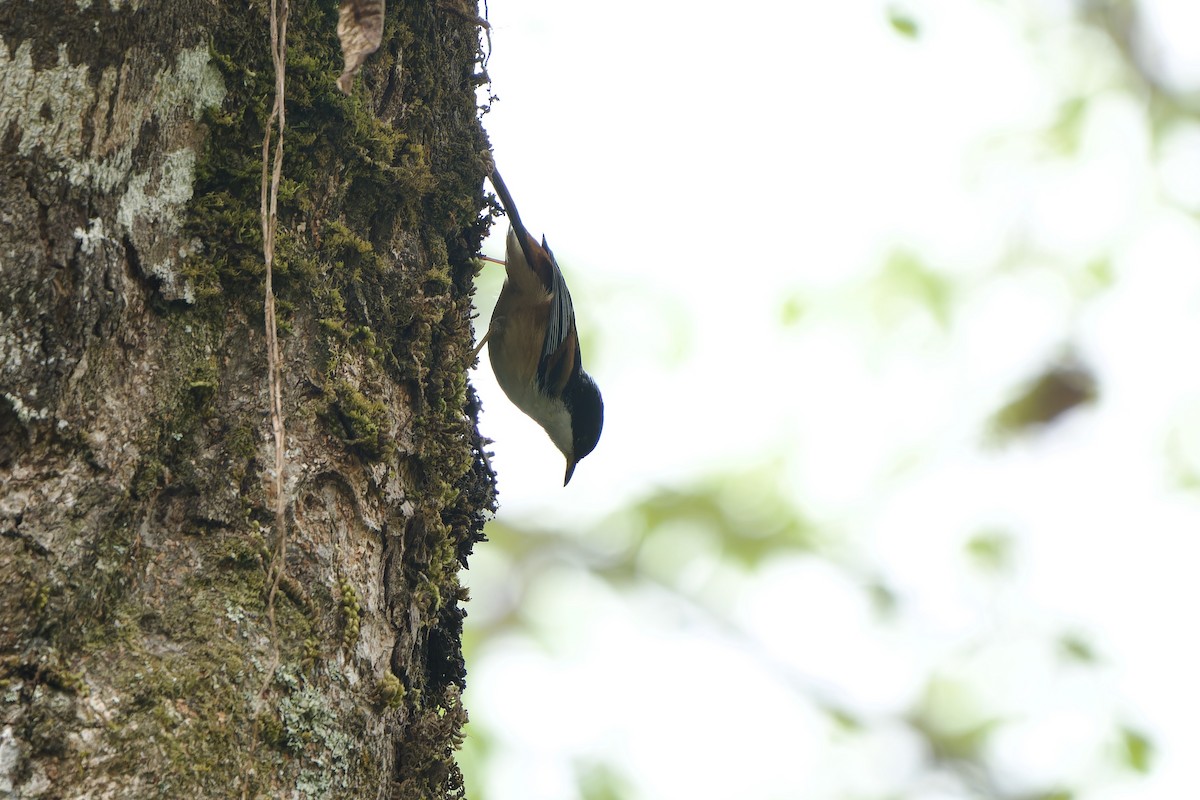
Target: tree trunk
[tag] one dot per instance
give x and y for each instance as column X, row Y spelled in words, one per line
column 143, row 652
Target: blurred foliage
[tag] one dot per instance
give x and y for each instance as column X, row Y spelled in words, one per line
column 906, row 280
column 1077, row 649
column 949, row 718
column 1061, row 387
column 903, row 24
column 1138, row 749
column 792, row 310
column 1065, row 135
column 991, row 551
column 602, row 782
column 1097, row 276
column 749, row 514
column 745, row 520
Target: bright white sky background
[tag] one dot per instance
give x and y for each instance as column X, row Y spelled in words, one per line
column 699, row 167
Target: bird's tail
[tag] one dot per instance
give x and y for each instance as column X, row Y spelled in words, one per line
column 510, row 208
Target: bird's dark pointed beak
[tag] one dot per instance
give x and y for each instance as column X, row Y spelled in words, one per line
column 570, row 471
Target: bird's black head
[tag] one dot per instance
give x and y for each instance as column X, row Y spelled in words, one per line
column 583, row 401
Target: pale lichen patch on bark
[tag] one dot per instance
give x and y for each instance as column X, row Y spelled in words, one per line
column 93, row 237
column 10, row 758
column 94, row 135
column 150, row 213
column 48, row 104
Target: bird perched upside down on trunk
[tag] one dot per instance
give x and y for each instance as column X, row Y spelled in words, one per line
column 534, row 347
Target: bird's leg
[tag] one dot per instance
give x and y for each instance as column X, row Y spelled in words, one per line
column 478, row 347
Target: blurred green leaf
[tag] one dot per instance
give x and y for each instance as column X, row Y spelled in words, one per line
column 1098, row 274
column 601, row 781
column 1060, row 794
column 1060, row 388
column 991, row 551
column 903, row 24
column 883, row 598
column 1075, row 648
column 845, row 720
column 1138, row 749
column 950, row 719
column 792, row 310
column 905, row 279
column 1181, row 464
column 1067, row 131
column 958, row 745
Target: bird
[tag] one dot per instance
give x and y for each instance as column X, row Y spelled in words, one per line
column 533, row 343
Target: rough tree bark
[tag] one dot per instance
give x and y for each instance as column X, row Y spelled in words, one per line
column 136, row 526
